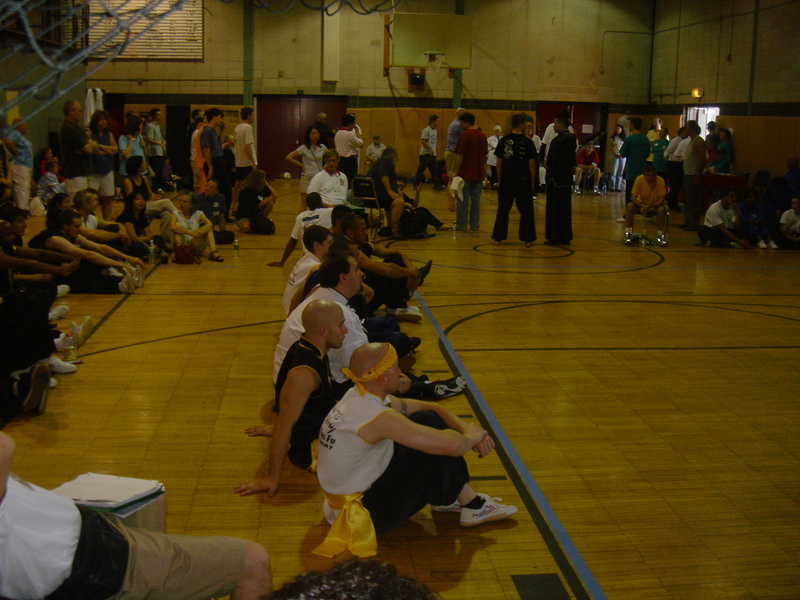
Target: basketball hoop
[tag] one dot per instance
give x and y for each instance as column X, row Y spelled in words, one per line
column 434, row 59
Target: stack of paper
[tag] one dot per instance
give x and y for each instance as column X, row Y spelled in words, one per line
column 108, row 492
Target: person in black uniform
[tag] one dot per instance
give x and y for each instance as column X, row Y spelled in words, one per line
column 303, row 395
column 560, row 169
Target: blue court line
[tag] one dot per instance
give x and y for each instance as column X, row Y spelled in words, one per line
column 614, row 267
column 580, row 566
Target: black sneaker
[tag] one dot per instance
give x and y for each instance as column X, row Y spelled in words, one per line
column 449, row 387
column 415, row 342
column 423, row 272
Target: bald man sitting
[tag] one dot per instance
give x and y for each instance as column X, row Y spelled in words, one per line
column 303, row 395
column 382, row 459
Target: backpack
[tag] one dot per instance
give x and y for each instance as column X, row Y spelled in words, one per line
column 413, row 224
column 263, row 225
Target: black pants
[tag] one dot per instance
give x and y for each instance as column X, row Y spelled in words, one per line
column 349, row 166
column 413, row 480
column 558, row 215
column 157, row 164
column 221, row 175
column 675, row 175
column 89, row 279
column 427, row 161
column 510, row 192
column 716, row 237
column 393, row 292
column 25, row 333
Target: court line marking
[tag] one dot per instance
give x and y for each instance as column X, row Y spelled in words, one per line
column 590, row 586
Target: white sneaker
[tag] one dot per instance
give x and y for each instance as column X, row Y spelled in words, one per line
column 762, row 244
column 53, row 383
column 58, row 312
column 137, row 277
column 620, row 219
column 491, row 510
column 59, row 342
column 126, row 284
column 414, row 309
column 82, row 333
column 61, row 291
column 60, row 367
column 773, row 245
column 454, row 507
column 329, row 514
column 112, row 271
column 404, row 314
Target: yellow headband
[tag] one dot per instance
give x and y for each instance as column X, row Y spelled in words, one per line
column 378, row 369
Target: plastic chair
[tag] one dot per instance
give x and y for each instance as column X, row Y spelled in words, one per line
column 364, row 192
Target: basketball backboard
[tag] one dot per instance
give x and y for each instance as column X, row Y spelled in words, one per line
column 418, row 36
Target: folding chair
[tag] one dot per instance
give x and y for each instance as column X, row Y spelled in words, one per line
column 364, row 193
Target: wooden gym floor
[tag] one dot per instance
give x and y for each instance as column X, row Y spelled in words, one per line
column 645, row 400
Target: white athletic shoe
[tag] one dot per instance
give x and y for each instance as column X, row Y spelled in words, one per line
column 451, row 508
column 126, row 284
column 138, row 281
column 762, row 244
column 60, row 367
column 82, row 333
column 61, row 291
column 405, row 314
column 773, row 245
column 491, row 510
column 58, row 312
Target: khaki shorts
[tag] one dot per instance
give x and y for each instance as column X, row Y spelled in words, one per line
column 179, row 567
column 449, row 160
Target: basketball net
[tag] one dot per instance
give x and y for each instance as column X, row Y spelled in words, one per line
column 434, row 61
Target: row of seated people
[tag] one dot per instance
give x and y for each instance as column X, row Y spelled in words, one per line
column 336, row 363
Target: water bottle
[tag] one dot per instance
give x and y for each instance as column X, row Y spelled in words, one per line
column 453, row 231
column 70, row 351
column 603, row 187
column 236, row 248
column 151, row 253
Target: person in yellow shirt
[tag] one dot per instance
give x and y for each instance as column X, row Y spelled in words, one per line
column 648, row 199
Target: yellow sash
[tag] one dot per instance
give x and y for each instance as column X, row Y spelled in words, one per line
column 352, row 530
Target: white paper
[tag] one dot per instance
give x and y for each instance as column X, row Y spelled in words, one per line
column 106, row 491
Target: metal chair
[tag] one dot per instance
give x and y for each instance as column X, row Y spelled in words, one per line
column 364, row 193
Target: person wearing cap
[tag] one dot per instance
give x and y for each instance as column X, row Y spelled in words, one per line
column 382, row 459
column 374, row 151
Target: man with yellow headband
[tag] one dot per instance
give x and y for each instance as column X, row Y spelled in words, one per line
column 382, row 459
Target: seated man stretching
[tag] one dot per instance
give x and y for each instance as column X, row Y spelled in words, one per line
column 586, row 162
column 722, row 226
column 393, row 456
column 51, row 548
column 303, row 395
column 648, row 199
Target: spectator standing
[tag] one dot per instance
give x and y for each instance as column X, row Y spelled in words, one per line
column 617, row 160
column 453, row 134
column 310, row 159
column 712, row 137
column 491, row 159
column 470, row 165
column 658, row 147
column 348, row 145
column 156, row 147
column 244, row 151
column 652, row 135
column 694, row 159
column 674, row 158
column 325, row 132
column 793, row 176
column 212, row 152
column 21, row 164
column 427, row 156
column 102, row 177
column 635, row 149
column 76, row 149
column 131, row 143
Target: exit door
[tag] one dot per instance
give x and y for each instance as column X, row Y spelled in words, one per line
column 588, row 121
column 281, row 123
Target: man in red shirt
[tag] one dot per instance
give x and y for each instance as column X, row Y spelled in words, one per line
column 587, row 160
column 470, row 165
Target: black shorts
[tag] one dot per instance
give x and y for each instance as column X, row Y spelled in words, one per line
column 242, row 172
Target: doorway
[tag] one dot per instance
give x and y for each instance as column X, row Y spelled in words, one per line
column 588, row 121
column 702, row 114
column 281, row 122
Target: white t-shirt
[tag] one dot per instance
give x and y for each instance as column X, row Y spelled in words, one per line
column 491, row 142
column 347, row 143
column 39, row 534
column 293, row 329
column 331, row 188
column 375, row 152
column 296, row 278
column 152, row 131
column 318, row 216
column 430, row 135
column 242, row 137
column 792, row 221
column 346, row 463
column 716, row 215
column 549, row 135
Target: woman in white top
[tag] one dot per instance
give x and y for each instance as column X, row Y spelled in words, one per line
column 192, row 228
column 311, row 155
column 617, row 160
column 491, row 159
